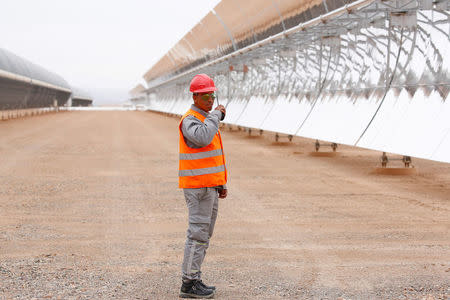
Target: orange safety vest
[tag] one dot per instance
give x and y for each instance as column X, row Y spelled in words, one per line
column 201, row 167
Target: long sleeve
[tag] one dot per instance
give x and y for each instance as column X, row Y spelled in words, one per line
column 200, row 133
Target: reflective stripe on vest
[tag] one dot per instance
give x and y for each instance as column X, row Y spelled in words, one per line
column 203, row 171
column 201, row 167
column 199, row 155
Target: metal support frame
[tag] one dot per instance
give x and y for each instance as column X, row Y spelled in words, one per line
column 317, row 145
column 279, row 13
column 278, row 136
column 384, row 159
column 230, row 35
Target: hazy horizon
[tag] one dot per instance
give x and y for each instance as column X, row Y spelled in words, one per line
column 102, row 47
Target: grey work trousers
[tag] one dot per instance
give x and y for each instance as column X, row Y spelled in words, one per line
column 202, row 204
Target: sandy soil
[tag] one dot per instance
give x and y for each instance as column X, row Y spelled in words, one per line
column 89, row 208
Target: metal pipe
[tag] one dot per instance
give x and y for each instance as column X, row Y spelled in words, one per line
column 228, row 31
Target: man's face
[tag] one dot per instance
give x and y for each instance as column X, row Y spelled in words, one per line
column 204, row 101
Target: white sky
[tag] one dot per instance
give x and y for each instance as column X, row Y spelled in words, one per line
column 101, row 46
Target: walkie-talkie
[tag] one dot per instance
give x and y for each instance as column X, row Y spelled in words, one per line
column 223, row 114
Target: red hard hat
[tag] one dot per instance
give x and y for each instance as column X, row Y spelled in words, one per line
column 202, row 83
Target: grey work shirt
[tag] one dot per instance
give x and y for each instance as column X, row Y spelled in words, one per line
column 198, row 134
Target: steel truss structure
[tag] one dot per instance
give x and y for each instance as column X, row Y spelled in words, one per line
column 374, row 74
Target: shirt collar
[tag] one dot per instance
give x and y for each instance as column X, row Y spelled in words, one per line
column 204, row 113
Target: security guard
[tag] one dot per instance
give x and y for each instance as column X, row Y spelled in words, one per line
column 202, row 176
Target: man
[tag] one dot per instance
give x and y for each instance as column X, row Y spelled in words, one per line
column 202, row 176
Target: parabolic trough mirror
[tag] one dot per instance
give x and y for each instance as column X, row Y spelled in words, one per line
column 374, row 74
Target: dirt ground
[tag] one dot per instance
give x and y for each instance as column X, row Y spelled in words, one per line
column 90, row 209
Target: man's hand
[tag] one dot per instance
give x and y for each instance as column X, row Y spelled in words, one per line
column 223, row 193
column 222, row 109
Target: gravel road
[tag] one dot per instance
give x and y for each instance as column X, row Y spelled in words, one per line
column 90, row 209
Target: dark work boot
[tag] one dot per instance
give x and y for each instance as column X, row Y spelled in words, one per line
column 209, row 287
column 195, row 289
